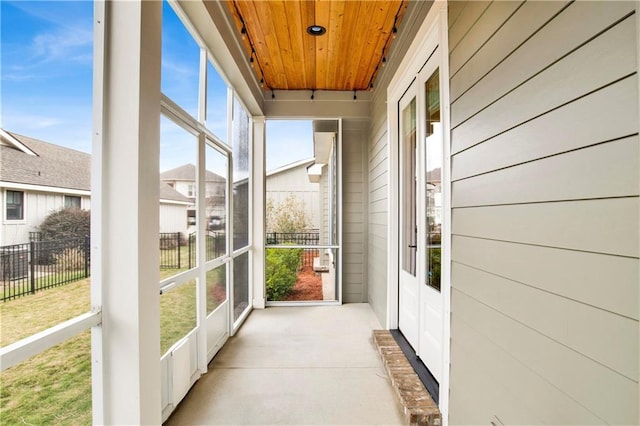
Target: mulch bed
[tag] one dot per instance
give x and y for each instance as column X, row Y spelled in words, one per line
column 308, row 286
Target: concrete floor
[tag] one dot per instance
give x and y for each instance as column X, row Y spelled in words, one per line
column 296, row 365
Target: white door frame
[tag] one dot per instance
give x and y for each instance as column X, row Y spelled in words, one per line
column 433, row 32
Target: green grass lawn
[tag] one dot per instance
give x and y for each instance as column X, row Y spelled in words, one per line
column 54, row 387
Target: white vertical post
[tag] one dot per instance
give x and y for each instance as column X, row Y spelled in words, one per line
column 202, row 220
column 258, row 213
column 201, row 251
column 126, row 192
column 99, row 56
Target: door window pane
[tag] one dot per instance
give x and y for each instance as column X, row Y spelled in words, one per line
column 434, row 180
column 408, row 194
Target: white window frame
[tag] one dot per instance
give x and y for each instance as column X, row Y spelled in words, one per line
column 24, row 207
column 67, row 196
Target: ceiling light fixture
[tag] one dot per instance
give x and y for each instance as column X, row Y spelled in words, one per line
column 316, row 30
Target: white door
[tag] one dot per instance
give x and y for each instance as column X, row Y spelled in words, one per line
column 409, row 291
column 421, row 214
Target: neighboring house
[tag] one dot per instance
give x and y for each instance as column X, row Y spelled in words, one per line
column 294, row 179
column 183, row 180
column 37, row 178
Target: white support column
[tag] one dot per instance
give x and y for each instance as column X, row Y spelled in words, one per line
column 125, row 190
column 258, row 212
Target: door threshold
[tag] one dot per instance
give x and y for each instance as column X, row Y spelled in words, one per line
column 427, row 379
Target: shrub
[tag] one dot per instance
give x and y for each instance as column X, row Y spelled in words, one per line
column 282, row 272
column 66, row 224
column 434, row 267
column 70, row 259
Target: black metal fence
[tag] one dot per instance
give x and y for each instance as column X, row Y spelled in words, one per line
column 309, row 238
column 170, row 243
column 215, row 246
column 177, row 252
column 38, row 265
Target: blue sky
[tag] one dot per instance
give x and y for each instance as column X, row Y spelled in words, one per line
column 46, row 82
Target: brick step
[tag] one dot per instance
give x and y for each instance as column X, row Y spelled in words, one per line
column 418, row 406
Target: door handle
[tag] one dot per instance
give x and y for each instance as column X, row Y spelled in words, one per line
column 411, row 246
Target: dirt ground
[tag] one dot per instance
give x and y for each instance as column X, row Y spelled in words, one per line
column 308, row 286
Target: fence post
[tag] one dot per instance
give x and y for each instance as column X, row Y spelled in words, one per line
column 178, row 238
column 32, row 258
column 189, row 248
column 86, row 256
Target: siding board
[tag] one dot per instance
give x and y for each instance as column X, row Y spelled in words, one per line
column 570, row 274
column 496, row 15
column 575, row 125
column 529, row 18
column 568, row 176
column 545, row 217
column 600, row 226
column 581, row 378
column 581, row 327
column 589, row 68
column 550, row 406
column 472, row 12
column 550, row 44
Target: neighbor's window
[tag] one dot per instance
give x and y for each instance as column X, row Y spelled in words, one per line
column 72, row 201
column 15, row 205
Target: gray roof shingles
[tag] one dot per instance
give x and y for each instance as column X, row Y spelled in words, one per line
column 55, row 166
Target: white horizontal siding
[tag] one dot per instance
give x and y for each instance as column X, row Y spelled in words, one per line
column 572, row 274
column 555, row 41
column 378, row 169
column 546, row 216
column 574, row 76
column 577, row 376
column 562, row 177
column 353, row 211
column 575, row 125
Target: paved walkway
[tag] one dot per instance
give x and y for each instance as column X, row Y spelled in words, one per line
column 296, row 365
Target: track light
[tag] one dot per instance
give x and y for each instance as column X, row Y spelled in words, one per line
column 243, row 31
column 273, row 95
column 355, row 97
column 313, row 91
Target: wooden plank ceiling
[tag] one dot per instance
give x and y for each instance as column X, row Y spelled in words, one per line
column 347, row 57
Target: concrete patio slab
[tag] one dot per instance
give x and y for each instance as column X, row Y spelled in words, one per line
column 296, row 365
